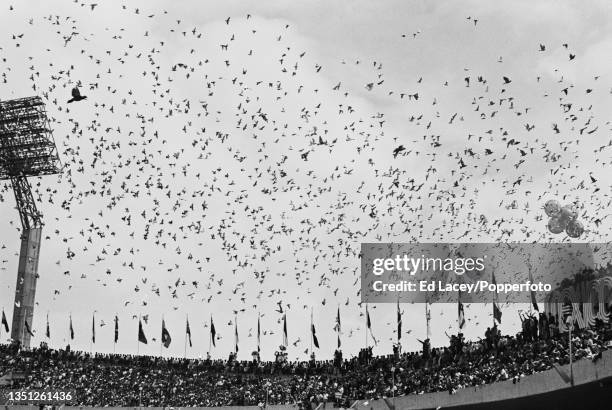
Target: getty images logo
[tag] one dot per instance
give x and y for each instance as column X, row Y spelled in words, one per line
column 411, row 265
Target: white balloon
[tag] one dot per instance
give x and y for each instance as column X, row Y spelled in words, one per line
column 556, row 225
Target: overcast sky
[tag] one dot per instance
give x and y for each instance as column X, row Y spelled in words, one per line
column 231, row 165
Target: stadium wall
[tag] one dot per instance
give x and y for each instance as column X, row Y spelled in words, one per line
column 585, row 372
column 542, row 387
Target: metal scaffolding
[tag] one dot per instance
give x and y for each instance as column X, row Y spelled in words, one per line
column 27, row 149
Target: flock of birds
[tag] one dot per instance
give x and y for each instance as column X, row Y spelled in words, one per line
column 230, row 168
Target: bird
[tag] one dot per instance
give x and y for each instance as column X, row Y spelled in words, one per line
column 76, row 96
column 398, row 150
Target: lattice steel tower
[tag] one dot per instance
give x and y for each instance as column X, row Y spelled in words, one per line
column 26, row 149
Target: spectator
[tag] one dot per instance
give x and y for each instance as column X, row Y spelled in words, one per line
column 126, row 380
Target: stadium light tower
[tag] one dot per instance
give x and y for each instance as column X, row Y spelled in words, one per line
column 27, row 149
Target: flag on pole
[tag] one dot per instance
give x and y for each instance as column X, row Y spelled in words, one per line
column 427, row 318
column 93, row 328
column 165, row 335
column 315, row 341
column 188, row 332
column 399, row 322
column 258, row 333
column 116, row 328
column 285, row 338
column 48, row 332
column 5, row 322
column 338, row 326
column 235, row 334
column 566, row 310
column 71, row 329
column 461, row 313
column 369, row 325
column 533, row 298
column 28, row 329
column 213, row 332
column 141, row 335
column 497, row 314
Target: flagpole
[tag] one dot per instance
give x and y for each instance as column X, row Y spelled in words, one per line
column 91, row 340
column 114, row 338
column 210, row 335
column 570, row 350
column 366, row 326
column 494, row 303
column 459, row 305
column 236, row 336
column 399, row 319
column 161, row 342
column 426, row 321
column 337, row 326
column 185, row 347
column 311, row 335
column 427, row 315
column 258, row 331
column 138, row 339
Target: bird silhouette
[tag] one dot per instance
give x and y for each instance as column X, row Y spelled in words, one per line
column 76, row 96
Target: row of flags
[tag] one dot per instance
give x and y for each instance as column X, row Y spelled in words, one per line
column 166, row 338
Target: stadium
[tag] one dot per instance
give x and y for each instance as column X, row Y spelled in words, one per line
column 401, row 204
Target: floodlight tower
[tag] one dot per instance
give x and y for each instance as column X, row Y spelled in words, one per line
column 27, row 149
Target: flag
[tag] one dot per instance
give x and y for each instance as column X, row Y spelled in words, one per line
column 313, row 331
column 141, row 336
column 497, row 314
column 48, row 332
column 27, row 326
column 116, row 328
column 399, row 322
column 461, row 313
column 369, row 324
column 533, row 298
column 566, row 310
column 235, row 334
column 285, row 338
column 258, row 333
column 71, row 329
column 338, row 326
column 314, row 336
column 213, row 332
column 5, row 322
column 93, row 328
column 427, row 318
column 165, row 335
column 188, row 332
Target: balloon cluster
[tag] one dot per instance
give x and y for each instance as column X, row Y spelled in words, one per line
column 563, row 218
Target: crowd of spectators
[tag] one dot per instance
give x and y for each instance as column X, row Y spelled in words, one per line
column 126, row 380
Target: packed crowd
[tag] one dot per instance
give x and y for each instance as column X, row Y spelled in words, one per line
column 125, row 380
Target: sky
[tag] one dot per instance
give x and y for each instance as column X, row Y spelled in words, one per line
column 232, row 156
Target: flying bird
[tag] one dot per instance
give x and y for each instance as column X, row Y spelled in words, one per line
column 76, row 96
